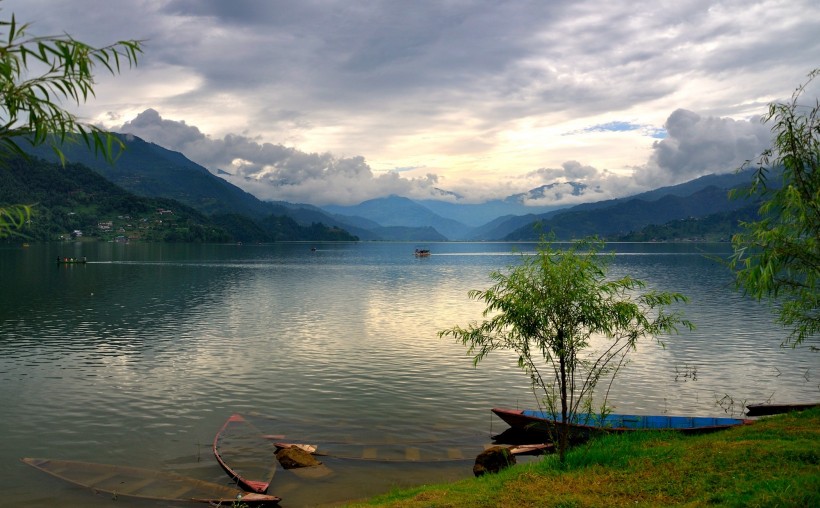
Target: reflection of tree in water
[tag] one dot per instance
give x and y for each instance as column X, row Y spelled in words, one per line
column 688, row 373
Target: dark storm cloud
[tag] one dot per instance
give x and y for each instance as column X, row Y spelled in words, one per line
column 697, row 145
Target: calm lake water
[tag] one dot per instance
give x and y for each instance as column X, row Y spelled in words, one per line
column 138, row 357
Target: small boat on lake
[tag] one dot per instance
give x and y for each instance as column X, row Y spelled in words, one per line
column 775, row 409
column 123, row 481
column 421, row 253
column 71, row 261
column 247, row 457
column 587, row 425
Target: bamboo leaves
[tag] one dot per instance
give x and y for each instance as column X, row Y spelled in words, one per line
column 36, row 74
column 778, row 256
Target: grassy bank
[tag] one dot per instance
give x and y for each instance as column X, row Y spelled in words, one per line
column 775, row 462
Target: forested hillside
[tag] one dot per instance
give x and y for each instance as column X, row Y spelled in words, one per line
column 718, row 227
column 74, row 201
column 631, row 215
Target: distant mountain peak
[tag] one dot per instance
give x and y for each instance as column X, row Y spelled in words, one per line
column 552, row 191
column 446, row 193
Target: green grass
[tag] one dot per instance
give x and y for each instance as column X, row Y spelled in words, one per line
column 775, row 462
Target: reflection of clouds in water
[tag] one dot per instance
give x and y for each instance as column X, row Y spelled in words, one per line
column 345, row 337
column 733, row 349
column 407, row 308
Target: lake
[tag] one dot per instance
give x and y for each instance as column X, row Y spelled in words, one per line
column 139, row 356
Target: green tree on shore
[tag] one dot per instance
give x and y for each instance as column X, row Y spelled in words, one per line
column 778, row 256
column 36, row 74
column 570, row 326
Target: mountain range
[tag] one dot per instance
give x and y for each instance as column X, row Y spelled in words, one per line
column 73, row 201
column 148, row 170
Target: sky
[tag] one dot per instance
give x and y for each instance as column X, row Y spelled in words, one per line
column 337, row 102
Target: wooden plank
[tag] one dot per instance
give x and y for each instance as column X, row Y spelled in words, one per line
column 134, row 487
column 412, row 453
column 96, row 480
column 455, row 454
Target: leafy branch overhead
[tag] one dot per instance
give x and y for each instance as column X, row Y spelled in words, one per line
column 13, row 217
column 778, row 255
column 37, row 73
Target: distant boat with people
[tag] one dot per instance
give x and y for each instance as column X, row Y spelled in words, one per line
column 421, row 253
column 71, row 261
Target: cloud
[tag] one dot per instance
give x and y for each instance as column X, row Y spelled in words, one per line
column 699, row 145
column 575, row 182
column 570, row 171
column 476, row 92
column 695, row 145
column 276, row 172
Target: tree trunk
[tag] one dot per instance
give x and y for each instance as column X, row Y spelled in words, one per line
column 563, row 428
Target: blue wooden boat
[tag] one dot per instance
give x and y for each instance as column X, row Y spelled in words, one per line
column 587, row 425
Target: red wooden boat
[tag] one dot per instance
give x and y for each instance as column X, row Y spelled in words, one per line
column 245, row 455
column 122, row 481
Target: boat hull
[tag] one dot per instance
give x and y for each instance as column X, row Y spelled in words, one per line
column 539, row 421
column 123, row 481
column 775, row 409
column 247, row 457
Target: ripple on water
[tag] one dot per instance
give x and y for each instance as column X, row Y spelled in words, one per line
column 341, row 345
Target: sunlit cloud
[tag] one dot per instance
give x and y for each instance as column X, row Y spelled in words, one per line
column 343, row 101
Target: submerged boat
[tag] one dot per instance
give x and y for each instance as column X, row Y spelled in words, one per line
column 776, row 409
column 587, row 425
column 430, row 451
column 416, row 453
column 146, row 483
column 247, row 457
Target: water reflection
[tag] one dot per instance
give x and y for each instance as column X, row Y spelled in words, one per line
column 140, row 355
